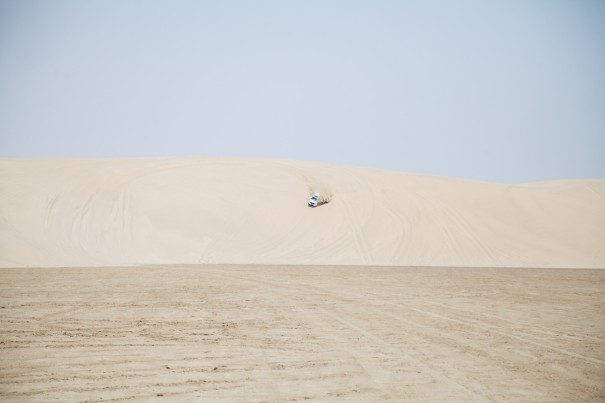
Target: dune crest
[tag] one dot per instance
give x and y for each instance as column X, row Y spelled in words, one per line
column 110, row 212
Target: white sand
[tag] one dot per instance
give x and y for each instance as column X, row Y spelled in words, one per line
column 103, row 212
column 258, row 333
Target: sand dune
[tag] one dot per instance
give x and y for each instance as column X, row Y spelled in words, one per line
column 104, row 212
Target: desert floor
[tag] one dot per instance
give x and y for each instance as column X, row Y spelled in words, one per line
column 288, row 333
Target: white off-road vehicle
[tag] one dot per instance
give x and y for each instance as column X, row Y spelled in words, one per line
column 313, row 200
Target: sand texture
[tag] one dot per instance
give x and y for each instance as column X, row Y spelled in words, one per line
column 219, row 283
column 108, row 212
column 287, row 333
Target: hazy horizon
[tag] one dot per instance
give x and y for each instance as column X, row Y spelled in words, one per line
column 503, row 91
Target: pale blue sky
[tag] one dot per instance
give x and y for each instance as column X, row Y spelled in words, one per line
column 503, row 91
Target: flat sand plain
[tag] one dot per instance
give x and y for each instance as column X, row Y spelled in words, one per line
column 294, row 333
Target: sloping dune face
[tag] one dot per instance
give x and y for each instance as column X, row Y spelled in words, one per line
column 85, row 212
